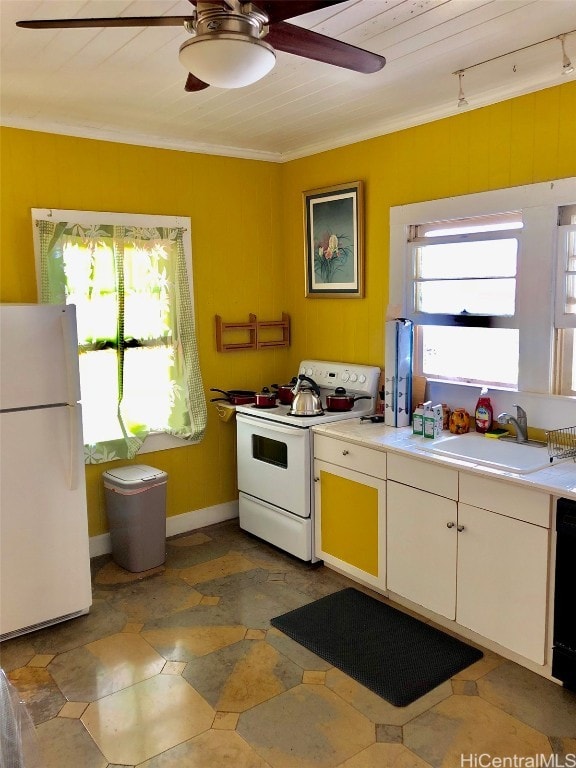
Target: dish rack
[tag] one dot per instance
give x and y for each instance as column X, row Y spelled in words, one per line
column 562, row 443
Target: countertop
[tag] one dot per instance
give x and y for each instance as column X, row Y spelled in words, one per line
column 558, row 480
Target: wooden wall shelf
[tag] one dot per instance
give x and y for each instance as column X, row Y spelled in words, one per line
column 256, row 333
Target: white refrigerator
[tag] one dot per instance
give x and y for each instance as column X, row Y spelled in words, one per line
column 44, row 548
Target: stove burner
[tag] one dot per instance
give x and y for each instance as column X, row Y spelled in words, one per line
column 305, row 415
column 264, row 407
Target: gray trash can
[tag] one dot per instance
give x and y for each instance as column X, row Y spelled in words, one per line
column 136, row 508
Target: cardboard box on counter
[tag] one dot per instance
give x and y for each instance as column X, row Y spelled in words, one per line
column 432, row 420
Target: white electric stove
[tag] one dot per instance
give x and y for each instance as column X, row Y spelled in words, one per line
column 276, row 497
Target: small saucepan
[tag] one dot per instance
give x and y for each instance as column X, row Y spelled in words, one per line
column 340, row 401
column 235, row 396
column 265, row 399
column 285, row 391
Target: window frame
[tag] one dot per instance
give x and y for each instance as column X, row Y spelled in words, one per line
column 565, row 322
column 155, row 441
column 563, row 319
column 420, row 317
column 536, row 275
column 565, row 359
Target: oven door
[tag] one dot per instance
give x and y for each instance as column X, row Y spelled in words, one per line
column 274, row 463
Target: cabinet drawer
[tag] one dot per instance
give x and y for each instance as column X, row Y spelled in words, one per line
column 505, row 499
column 424, row 475
column 369, row 461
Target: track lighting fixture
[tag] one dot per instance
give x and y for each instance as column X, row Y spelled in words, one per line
column 461, row 98
column 567, row 67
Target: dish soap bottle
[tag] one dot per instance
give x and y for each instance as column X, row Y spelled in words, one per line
column 484, row 413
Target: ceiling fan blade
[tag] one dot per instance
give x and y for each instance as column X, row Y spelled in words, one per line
column 280, row 10
column 121, row 21
column 194, row 84
column 303, row 42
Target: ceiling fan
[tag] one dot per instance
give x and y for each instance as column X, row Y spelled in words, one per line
column 233, row 42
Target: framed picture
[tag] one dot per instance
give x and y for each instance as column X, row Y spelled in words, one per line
column 334, row 250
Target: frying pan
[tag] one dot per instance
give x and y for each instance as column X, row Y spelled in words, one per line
column 235, row 396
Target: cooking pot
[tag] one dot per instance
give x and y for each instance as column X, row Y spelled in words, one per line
column 340, row 401
column 265, row 399
column 306, row 400
column 235, row 396
column 285, row 391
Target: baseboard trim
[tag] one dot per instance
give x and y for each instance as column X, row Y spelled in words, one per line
column 188, row 521
column 200, row 518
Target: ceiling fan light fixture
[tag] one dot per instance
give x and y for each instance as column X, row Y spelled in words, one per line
column 227, row 59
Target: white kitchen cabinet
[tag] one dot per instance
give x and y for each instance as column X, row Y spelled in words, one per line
column 502, row 580
column 421, row 533
column 350, row 509
column 503, row 557
column 484, row 566
column 421, row 547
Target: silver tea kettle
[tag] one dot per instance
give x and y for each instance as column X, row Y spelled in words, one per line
column 306, row 401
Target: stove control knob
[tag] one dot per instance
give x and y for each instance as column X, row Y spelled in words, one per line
column 309, row 371
column 345, row 376
column 353, row 377
column 362, row 379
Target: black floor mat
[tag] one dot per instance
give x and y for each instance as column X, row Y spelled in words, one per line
column 393, row 654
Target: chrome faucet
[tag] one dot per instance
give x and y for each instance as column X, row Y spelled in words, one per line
column 520, row 423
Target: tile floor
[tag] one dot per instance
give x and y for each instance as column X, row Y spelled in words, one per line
column 180, row 667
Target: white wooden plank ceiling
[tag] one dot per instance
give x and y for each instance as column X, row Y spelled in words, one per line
column 127, row 84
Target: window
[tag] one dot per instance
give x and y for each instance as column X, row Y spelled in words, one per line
column 464, row 278
column 565, row 316
column 490, row 292
column 128, row 277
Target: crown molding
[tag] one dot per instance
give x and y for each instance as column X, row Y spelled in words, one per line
column 126, row 137
column 386, row 126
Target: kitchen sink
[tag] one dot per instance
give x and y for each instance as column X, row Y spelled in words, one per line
column 507, row 455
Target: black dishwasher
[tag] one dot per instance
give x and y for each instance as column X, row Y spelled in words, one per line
column 564, row 636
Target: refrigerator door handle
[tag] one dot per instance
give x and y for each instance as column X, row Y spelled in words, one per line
column 73, row 411
column 71, row 352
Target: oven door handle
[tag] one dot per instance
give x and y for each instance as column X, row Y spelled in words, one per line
column 262, row 424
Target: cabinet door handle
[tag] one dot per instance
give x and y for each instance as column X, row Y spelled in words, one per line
column 345, row 453
column 450, row 524
column 460, row 528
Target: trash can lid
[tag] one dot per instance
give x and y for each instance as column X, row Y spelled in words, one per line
column 135, row 473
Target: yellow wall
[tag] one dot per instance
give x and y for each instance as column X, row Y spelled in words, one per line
column 247, row 238
column 520, row 141
column 235, row 210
